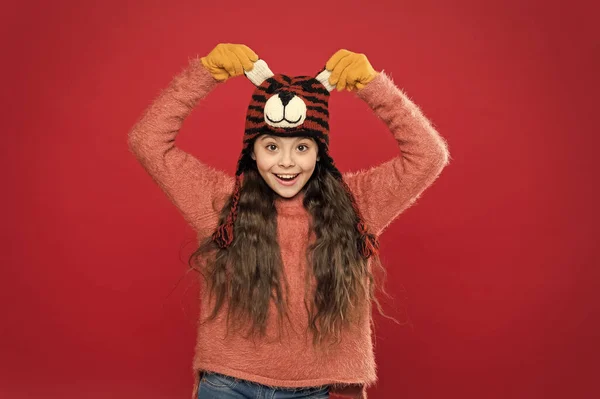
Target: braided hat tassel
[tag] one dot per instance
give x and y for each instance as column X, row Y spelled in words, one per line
column 369, row 244
column 223, row 236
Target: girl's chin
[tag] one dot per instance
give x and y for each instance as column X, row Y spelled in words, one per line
column 286, row 191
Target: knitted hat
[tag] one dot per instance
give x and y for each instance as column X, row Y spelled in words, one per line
column 286, row 106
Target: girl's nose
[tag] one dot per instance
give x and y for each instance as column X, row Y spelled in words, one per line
column 286, row 160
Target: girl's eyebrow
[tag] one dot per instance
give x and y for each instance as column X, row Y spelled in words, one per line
column 276, row 138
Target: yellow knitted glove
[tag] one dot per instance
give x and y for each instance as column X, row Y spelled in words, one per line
column 349, row 70
column 228, row 60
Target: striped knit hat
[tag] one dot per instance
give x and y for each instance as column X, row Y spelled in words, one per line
column 288, row 107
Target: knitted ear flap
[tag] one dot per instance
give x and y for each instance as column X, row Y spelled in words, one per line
column 368, row 244
column 223, row 236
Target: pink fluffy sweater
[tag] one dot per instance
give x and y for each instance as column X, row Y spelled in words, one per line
column 199, row 191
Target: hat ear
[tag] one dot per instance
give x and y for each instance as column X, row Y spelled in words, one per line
column 259, row 73
column 323, row 77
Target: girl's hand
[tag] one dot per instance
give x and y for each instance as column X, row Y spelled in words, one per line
column 228, row 60
column 349, row 70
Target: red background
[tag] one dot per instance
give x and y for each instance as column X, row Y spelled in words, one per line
column 496, row 265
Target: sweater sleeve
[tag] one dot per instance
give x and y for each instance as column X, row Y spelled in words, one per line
column 196, row 189
column 384, row 191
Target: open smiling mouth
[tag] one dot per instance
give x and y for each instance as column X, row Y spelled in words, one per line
column 287, row 178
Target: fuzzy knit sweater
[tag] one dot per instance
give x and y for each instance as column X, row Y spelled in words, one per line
column 199, row 191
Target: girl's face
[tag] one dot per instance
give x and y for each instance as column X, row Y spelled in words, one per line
column 285, row 163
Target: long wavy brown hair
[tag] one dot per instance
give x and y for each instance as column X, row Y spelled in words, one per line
column 248, row 273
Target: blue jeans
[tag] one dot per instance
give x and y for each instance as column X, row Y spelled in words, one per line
column 219, row 386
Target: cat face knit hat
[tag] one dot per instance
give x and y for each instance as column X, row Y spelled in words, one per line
column 286, row 106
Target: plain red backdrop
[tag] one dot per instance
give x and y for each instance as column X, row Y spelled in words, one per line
column 496, row 265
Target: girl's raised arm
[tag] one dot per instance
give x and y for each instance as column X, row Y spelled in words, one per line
column 191, row 185
column 384, row 191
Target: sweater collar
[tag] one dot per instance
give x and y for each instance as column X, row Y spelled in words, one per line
column 290, row 205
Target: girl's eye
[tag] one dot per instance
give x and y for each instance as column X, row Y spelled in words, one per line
column 273, row 147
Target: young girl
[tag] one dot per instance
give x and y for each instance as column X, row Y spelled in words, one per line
column 286, row 247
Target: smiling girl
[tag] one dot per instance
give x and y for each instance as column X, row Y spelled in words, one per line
column 287, row 245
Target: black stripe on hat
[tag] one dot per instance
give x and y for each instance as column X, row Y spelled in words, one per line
column 256, row 108
column 318, row 109
column 316, row 100
column 318, row 90
column 256, row 119
column 259, row 98
column 318, row 121
column 254, row 130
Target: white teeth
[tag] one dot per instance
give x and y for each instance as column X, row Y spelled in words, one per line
column 287, row 176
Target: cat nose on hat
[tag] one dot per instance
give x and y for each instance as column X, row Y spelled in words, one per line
column 285, row 97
